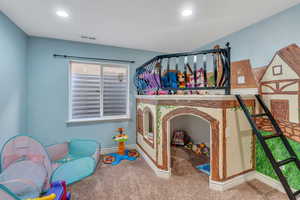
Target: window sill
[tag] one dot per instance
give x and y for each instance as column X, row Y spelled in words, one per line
column 104, row 119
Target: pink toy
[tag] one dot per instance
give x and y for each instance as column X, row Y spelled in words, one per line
column 160, row 92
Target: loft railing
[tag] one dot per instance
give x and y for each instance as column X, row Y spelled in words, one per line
column 185, row 73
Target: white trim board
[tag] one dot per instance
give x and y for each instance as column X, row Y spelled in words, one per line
column 270, row 182
column 222, row 186
column 158, row 172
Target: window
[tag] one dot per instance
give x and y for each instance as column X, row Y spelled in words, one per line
column 148, row 124
column 98, row 91
column 241, row 77
column 277, row 70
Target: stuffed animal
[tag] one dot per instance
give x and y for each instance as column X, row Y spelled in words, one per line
column 169, row 80
column 204, row 149
column 181, row 80
column 200, row 149
column 198, row 81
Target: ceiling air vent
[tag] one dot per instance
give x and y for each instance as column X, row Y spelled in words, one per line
column 86, row 37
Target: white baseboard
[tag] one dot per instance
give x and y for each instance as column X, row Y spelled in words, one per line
column 270, row 182
column 160, row 173
column 115, row 149
column 222, row 186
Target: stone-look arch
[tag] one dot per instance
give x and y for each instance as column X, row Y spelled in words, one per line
column 214, row 124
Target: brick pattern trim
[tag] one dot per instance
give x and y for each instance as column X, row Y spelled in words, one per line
column 290, row 129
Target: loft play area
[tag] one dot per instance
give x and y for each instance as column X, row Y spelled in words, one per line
column 225, row 98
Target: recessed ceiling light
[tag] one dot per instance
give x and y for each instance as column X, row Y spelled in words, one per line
column 187, row 13
column 62, row 13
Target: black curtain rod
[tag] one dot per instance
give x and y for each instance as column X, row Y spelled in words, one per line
column 87, row 58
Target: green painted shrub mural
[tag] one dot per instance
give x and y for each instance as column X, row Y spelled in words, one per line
column 264, row 166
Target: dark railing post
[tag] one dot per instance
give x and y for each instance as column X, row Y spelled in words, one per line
column 228, row 63
column 185, row 69
column 176, row 67
column 195, row 71
column 205, row 70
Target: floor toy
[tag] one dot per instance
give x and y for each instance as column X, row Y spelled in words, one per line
column 48, row 197
column 122, row 153
column 108, row 159
column 133, row 153
column 204, row 168
column 28, row 167
column 59, row 188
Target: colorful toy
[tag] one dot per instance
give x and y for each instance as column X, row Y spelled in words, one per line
column 49, row 197
column 169, row 80
column 108, row 159
column 122, row 154
column 201, row 149
column 133, row 153
column 159, row 92
column 59, row 188
column 58, row 191
column 189, row 145
column 181, row 81
column 180, row 138
column 197, row 80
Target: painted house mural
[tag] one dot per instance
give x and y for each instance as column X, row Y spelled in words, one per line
column 279, row 85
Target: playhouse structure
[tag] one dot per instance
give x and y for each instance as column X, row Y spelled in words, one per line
column 224, row 97
column 232, row 144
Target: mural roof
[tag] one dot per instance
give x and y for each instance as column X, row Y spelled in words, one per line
column 244, row 68
column 291, row 55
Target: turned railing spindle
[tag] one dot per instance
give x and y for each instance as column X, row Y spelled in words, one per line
column 205, row 69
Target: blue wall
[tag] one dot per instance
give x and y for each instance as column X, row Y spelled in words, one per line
column 260, row 41
column 12, row 79
column 48, row 91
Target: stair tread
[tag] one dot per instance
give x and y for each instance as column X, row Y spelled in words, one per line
column 286, row 161
column 259, row 115
column 297, row 193
column 266, row 137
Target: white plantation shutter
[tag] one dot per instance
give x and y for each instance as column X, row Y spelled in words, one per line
column 98, row 91
column 115, row 91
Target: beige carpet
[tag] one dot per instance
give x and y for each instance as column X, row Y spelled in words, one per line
column 136, row 181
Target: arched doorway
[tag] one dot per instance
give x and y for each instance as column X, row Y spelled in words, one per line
column 190, row 144
column 214, row 131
